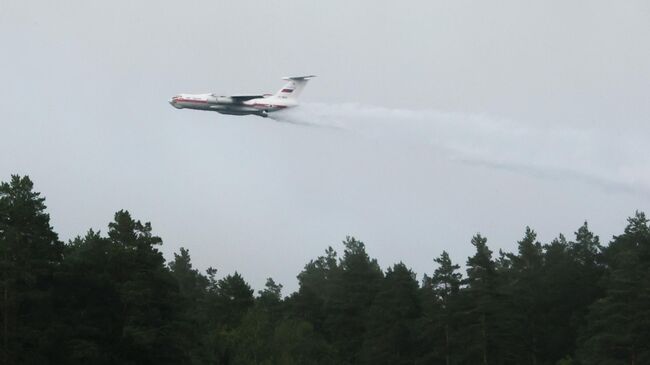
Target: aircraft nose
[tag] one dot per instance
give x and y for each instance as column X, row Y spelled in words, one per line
column 173, row 102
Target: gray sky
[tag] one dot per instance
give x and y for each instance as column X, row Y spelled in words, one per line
column 429, row 121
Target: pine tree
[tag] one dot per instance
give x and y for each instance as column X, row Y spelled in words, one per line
column 355, row 287
column 91, row 303
column 480, row 307
column 270, row 299
column 444, row 287
column 228, row 301
column 193, row 289
column 570, row 282
column 149, row 293
column 390, row 336
column 235, row 297
column 295, row 342
column 192, row 284
column 527, row 293
column 618, row 325
column 316, row 282
column 30, row 254
column 558, row 283
column 254, row 335
column 130, row 308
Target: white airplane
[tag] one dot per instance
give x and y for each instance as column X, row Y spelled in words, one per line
column 260, row 105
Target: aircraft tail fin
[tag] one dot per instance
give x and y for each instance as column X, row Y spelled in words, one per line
column 294, row 87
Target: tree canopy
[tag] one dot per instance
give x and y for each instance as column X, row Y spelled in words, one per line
column 113, row 299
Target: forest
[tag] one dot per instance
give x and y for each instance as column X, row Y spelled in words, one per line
column 112, row 298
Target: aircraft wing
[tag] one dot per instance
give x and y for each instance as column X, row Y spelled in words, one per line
column 242, row 98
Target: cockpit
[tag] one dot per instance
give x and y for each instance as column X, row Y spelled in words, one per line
column 174, row 101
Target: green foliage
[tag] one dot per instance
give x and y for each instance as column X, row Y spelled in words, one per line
column 107, row 299
column 445, row 281
column 355, row 285
column 30, row 253
column 295, row 343
column 618, row 325
column 438, row 326
column 317, row 283
column 566, row 361
column 192, row 324
column 479, row 308
column 390, row 332
column 121, row 303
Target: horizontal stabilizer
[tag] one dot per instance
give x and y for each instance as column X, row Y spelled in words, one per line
column 298, row 77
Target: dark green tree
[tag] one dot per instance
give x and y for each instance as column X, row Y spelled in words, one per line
column 149, row 293
column 441, row 295
column 227, row 302
column 618, row 325
column 122, row 305
column 295, row 342
column 235, row 297
column 480, row 307
column 355, row 287
column 270, row 298
column 30, row 254
column 191, row 282
column 571, row 280
column 193, row 289
column 316, row 282
column 390, row 337
column 558, row 283
column 91, row 306
column 254, row 336
column 527, row 294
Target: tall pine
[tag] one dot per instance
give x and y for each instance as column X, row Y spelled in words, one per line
column 30, row 254
column 618, row 325
column 480, row 307
column 390, row 336
column 439, row 323
column 355, row 288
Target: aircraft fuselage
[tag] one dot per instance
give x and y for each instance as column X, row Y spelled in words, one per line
column 227, row 105
column 261, row 105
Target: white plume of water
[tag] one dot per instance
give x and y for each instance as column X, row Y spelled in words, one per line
column 613, row 159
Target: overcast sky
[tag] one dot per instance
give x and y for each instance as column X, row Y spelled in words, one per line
column 429, row 121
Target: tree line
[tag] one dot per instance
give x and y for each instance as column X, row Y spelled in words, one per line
column 113, row 299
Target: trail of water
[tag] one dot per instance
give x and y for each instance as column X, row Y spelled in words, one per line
column 613, row 159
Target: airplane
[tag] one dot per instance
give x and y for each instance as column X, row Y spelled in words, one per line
column 261, row 105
